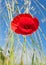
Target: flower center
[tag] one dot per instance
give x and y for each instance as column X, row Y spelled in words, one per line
column 26, row 26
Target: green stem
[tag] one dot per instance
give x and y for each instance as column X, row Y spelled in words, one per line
column 12, row 49
column 33, row 59
column 25, row 49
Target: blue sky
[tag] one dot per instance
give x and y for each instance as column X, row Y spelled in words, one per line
column 40, row 14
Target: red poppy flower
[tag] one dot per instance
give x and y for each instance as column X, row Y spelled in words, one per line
column 24, row 24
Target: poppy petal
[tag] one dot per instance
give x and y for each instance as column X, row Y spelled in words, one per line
column 24, row 24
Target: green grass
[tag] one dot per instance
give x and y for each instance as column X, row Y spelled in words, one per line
column 10, row 60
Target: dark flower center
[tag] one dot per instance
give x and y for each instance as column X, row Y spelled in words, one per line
column 27, row 26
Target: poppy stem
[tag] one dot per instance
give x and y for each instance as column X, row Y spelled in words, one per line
column 12, row 49
column 25, row 49
column 24, row 45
